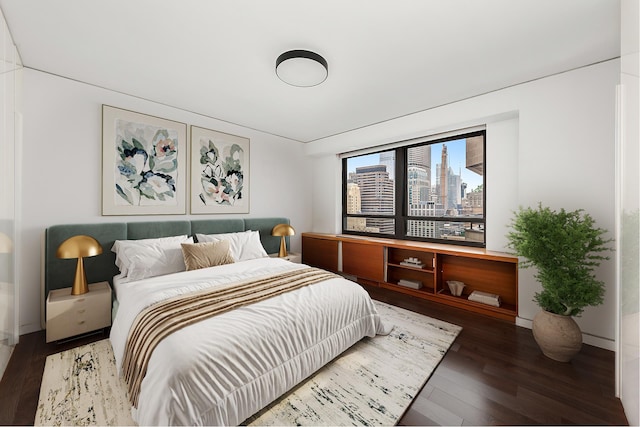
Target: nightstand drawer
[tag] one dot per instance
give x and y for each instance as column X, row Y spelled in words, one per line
column 68, row 326
column 69, row 315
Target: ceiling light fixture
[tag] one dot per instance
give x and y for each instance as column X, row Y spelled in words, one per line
column 302, row 68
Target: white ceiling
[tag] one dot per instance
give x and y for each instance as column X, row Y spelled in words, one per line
column 386, row 58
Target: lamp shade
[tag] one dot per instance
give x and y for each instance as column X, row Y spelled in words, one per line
column 283, row 230
column 79, row 246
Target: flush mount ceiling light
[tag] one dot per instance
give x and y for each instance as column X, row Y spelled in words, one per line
column 302, row 68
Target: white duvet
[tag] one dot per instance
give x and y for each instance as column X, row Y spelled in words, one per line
column 224, row 369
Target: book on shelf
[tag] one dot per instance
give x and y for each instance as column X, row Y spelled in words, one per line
column 414, row 284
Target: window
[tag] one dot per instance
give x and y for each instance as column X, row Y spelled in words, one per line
column 370, row 193
column 431, row 191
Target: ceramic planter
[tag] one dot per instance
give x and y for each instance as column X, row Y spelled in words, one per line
column 558, row 336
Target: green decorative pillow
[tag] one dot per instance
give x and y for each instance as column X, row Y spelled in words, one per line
column 207, row 254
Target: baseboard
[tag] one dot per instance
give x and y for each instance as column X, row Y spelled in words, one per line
column 525, row 323
column 30, row 328
column 5, row 355
column 593, row 340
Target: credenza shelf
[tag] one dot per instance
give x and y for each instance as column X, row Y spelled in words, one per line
column 505, row 310
column 422, row 292
column 407, row 267
column 376, row 262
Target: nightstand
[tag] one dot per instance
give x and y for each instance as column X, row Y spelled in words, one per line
column 69, row 315
column 291, row 256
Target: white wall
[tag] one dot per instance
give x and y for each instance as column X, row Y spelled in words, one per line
column 62, row 170
column 551, row 140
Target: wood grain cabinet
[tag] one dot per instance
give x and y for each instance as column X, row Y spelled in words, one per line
column 320, row 252
column 382, row 262
column 363, row 260
column 69, row 315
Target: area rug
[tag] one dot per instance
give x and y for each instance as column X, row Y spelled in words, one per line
column 372, row 383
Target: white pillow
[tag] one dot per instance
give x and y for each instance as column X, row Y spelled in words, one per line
column 142, row 258
column 243, row 245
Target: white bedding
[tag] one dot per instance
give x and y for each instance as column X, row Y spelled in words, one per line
column 225, row 369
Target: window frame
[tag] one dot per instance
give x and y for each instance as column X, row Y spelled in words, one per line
column 401, row 212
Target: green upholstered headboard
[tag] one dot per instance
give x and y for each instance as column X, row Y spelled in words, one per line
column 59, row 273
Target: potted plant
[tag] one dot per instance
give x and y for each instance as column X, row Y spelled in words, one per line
column 565, row 247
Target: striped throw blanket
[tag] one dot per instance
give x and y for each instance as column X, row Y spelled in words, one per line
column 159, row 320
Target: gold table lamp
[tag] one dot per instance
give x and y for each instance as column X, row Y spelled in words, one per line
column 79, row 246
column 283, row 230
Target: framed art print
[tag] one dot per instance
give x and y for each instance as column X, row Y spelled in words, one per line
column 143, row 164
column 219, row 172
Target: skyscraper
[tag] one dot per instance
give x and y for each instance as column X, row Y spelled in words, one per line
column 376, row 195
column 353, row 198
column 454, row 197
column 418, row 185
column 444, row 185
column 418, row 175
column 388, row 159
column 475, row 154
column 419, row 156
column 422, row 228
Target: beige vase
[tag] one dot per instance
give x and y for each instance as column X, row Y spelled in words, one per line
column 558, row 336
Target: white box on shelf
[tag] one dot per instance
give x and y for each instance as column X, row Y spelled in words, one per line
column 414, row 284
column 485, row 298
column 412, row 264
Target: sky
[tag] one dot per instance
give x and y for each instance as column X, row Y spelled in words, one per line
column 456, row 151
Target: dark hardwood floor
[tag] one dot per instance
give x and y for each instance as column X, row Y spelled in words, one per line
column 494, row 374
column 20, row 385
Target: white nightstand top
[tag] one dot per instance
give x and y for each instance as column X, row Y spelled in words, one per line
column 65, row 293
column 291, row 256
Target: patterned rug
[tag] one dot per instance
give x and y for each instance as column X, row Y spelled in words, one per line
column 372, row 383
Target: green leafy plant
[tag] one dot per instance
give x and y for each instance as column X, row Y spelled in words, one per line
column 565, row 247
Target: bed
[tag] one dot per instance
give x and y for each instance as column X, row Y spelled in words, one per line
column 224, row 368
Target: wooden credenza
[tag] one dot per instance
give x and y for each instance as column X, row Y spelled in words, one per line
column 377, row 262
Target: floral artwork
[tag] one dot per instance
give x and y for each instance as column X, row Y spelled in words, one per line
column 221, row 176
column 220, row 172
column 145, row 157
column 145, row 168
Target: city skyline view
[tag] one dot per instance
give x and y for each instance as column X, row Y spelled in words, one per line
column 457, row 161
column 443, row 180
